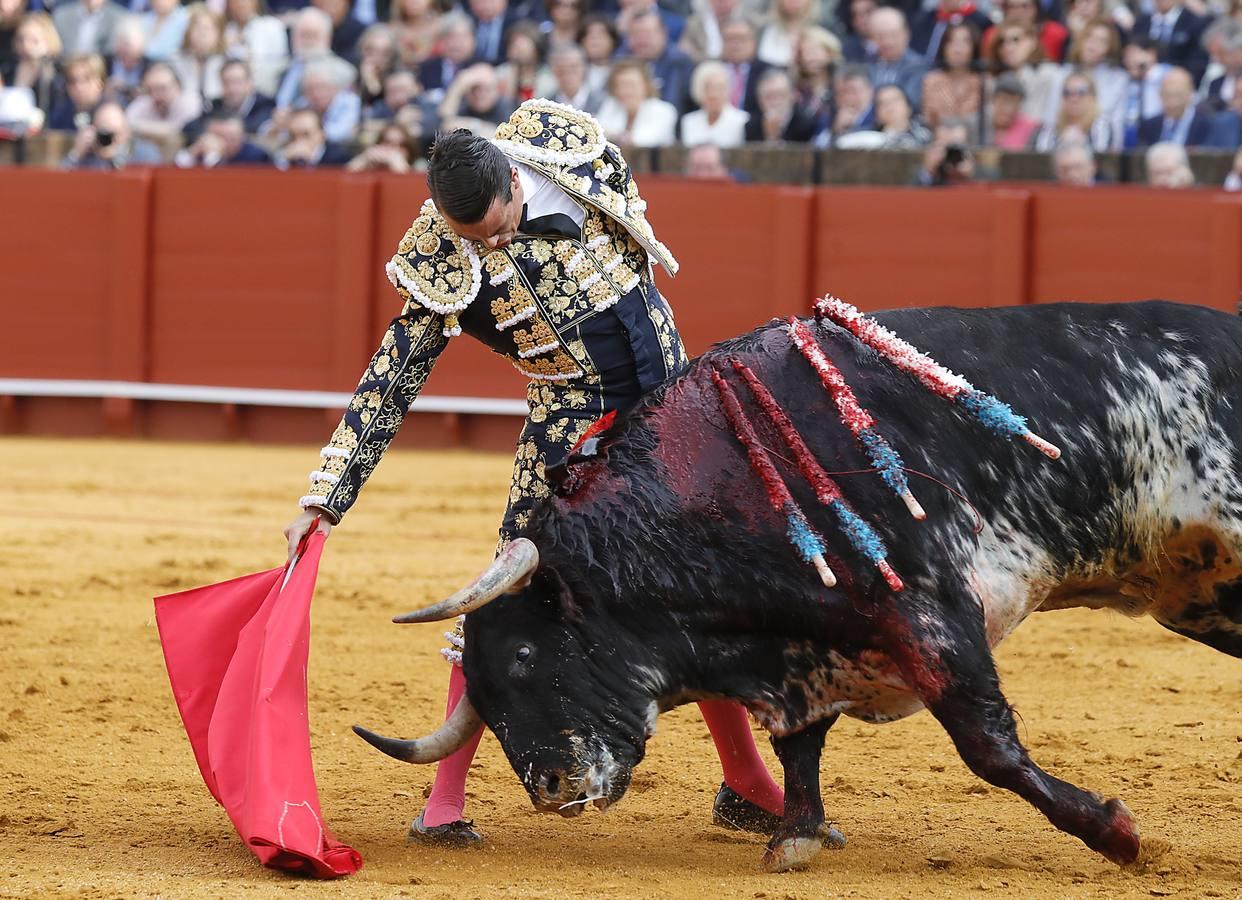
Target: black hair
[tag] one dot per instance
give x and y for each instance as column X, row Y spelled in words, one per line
column 975, row 41
column 466, row 174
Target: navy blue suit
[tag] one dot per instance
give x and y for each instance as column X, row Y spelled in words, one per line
column 1226, row 131
column 672, row 73
column 1185, row 47
column 907, row 73
column 1151, row 131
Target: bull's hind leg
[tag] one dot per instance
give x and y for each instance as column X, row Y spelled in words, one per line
column 1215, row 621
column 802, row 831
column 956, row 678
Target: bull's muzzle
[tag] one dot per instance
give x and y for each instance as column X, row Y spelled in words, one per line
column 559, row 793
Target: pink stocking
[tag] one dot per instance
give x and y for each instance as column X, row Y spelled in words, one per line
column 744, row 770
column 448, row 795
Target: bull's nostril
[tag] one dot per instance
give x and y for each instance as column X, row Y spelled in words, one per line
column 553, row 785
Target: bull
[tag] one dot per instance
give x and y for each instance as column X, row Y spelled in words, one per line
column 658, row 574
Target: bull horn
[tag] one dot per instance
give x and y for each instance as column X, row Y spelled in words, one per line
column 511, row 568
column 450, row 737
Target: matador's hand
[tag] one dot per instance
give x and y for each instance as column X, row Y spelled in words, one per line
column 297, row 529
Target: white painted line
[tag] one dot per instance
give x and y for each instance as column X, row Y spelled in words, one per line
column 193, row 393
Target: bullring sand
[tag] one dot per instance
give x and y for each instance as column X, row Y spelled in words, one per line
column 99, row 795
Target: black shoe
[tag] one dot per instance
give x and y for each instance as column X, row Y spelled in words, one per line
column 732, row 810
column 453, row 834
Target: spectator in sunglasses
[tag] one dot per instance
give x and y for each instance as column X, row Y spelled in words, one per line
column 1080, row 116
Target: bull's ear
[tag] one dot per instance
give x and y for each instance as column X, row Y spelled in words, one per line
column 550, row 579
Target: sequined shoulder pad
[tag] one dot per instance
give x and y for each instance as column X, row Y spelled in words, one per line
column 435, row 268
column 541, row 131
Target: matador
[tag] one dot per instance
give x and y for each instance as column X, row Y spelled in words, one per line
column 537, row 244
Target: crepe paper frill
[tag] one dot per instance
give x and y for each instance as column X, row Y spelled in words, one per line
column 864, row 539
column 994, row 415
column 883, row 457
column 805, row 539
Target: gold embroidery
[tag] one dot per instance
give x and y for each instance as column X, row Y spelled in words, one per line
column 539, row 335
column 436, row 268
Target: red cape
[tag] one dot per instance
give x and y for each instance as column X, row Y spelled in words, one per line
column 236, row 655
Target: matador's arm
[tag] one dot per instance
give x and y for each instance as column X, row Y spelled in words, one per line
column 394, row 377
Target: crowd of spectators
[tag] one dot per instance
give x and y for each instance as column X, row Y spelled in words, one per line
column 366, row 83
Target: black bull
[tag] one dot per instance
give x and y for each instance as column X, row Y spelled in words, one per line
column 664, row 576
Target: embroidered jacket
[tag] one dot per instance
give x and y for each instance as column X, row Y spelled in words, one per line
column 576, row 313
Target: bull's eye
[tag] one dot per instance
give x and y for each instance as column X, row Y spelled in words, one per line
column 523, row 653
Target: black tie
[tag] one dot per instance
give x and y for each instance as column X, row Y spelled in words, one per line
column 553, row 224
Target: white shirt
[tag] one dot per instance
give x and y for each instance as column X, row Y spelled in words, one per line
column 544, row 198
column 727, row 131
column 654, row 126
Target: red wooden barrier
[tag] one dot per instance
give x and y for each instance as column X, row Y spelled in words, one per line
column 1136, row 244
column 275, row 280
column 882, row 248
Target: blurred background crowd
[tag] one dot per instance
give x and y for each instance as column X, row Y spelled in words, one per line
column 365, row 84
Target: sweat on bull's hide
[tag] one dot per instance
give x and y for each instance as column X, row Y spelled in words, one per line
column 660, row 571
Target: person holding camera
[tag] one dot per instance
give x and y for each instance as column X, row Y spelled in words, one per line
column 947, row 160
column 104, row 143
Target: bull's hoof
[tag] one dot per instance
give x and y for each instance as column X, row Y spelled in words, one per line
column 832, row 837
column 1120, row 841
column 791, row 854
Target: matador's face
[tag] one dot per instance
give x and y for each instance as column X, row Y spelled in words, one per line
column 499, row 226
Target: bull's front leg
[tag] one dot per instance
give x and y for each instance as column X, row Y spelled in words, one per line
column 802, row 831
column 951, row 667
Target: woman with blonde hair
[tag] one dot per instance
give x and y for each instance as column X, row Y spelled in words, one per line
column 1096, row 51
column 717, row 121
column 1080, row 115
column 632, row 114
column 36, row 47
column 201, row 58
column 780, row 32
column 817, row 56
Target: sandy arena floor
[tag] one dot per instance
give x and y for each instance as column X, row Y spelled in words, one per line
column 99, row 795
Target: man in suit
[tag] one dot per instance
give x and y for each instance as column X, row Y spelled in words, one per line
column 568, row 63
column 740, row 45
column 492, row 19
column 1180, row 121
column 1226, row 131
column 311, row 39
column 1222, row 89
column 237, row 98
column 85, row 26
column 457, row 52
column 222, row 143
column 895, row 63
column 670, row 67
column 307, row 148
column 1178, row 35
column 780, row 119
column 346, row 29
